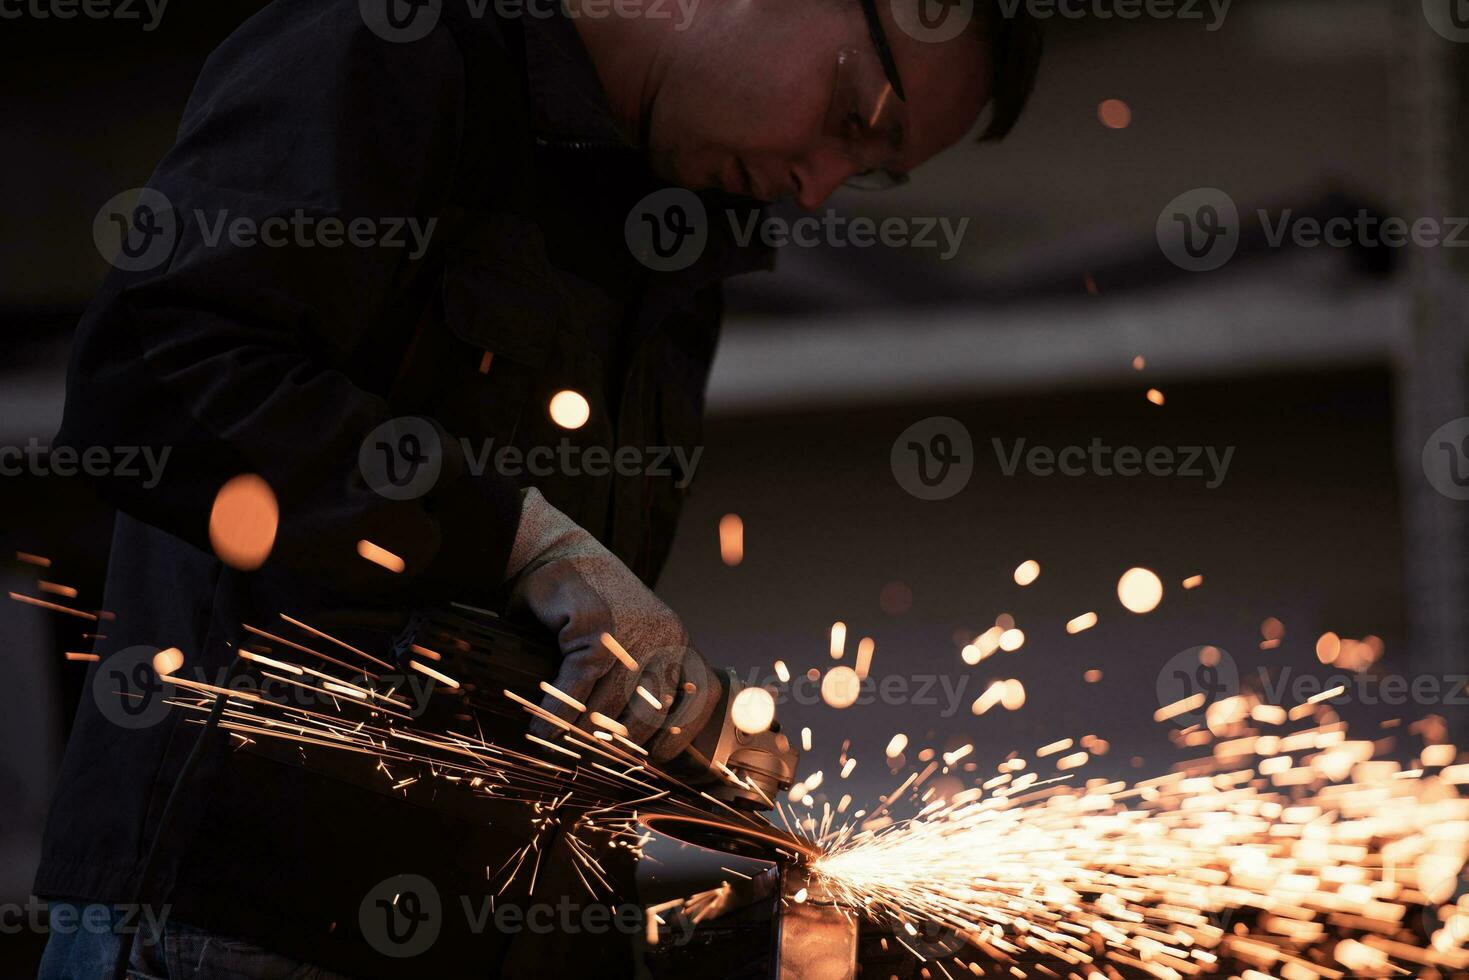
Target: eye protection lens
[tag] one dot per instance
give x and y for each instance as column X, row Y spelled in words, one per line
column 867, row 120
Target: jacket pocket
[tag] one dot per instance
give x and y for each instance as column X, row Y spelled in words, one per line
column 499, row 293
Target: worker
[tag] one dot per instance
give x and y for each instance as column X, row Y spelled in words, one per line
column 392, row 234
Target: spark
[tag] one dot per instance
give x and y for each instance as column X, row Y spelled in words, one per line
column 753, row 710
column 243, row 522
column 1327, row 695
column 165, row 662
column 1230, row 864
column 838, row 639
column 381, row 556
column 439, row 676
column 1180, row 707
column 841, row 687
column 1292, row 853
column 1082, row 623
column 619, row 651
column 731, row 539
column 54, row 607
column 548, row 688
column 1140, row 590
column 1060, row 745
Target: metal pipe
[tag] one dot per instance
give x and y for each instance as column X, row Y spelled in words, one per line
column 815, row 940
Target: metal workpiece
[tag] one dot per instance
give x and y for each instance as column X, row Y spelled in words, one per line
column 815, row 938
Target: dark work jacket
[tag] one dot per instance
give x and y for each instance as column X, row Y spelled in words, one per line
column 280, row 361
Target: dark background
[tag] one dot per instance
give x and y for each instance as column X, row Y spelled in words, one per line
column 1324, row 368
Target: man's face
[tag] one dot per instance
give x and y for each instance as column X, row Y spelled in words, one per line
column 743, row 100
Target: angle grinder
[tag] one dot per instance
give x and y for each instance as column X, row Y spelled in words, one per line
column 486, row 655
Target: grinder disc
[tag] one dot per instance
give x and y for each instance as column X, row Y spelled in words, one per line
column 765, row 843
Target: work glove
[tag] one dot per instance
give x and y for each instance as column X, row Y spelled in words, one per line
column 575, row 587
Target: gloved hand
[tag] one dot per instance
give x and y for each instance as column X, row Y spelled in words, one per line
column 580, row 590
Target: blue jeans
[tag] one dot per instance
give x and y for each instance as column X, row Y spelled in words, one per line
column 85, row 940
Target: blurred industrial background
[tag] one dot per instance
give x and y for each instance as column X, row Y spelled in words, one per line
column 1325, row 369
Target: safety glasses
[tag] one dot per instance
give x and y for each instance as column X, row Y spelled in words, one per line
column 867, row 116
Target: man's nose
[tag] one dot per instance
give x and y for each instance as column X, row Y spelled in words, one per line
column 819, row 175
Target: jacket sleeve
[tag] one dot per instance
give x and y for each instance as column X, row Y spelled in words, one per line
column 228, row 356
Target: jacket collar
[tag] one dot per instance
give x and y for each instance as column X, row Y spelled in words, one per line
column 567, row 102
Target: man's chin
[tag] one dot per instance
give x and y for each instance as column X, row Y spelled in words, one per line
column 675, row 168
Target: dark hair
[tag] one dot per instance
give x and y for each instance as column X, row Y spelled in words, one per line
column 1015, row 57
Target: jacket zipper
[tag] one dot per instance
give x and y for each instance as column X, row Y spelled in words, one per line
column 559, row 144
